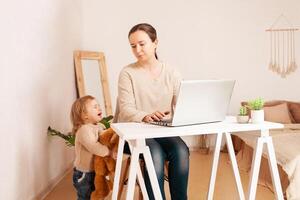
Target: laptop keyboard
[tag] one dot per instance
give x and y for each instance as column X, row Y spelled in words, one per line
column 163, row 122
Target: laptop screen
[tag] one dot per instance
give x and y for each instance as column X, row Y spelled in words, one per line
column 202, row 101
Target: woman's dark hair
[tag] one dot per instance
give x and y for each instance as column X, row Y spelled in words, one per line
column 147, row 28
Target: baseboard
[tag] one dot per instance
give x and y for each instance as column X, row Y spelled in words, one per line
column 53, row 183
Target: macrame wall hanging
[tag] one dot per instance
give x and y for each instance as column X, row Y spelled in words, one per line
column 282, row 47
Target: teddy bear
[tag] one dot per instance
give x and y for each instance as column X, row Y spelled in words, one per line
column 105, row 166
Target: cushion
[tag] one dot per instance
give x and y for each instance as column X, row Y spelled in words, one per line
column 274, row 103
column 277, row 102
column 294, row 108
column 278, row 113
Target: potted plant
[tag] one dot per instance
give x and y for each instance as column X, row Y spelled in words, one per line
column 243, row 116
column 257, row 112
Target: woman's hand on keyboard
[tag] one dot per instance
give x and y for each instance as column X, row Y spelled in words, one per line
column 156, row 116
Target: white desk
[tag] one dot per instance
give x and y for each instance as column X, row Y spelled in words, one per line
column 136, row 133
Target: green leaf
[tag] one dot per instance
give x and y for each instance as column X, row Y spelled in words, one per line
column 243, row 110
column 106, row 121
column 70, row 138
column 256, row 104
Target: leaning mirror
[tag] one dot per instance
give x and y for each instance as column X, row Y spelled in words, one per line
column 91, row 77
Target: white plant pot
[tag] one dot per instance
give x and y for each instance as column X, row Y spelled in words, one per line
column 242, row 119
column 257, row 116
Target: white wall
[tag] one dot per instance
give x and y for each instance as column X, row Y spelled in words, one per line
column 203, row 39
column 37, row 85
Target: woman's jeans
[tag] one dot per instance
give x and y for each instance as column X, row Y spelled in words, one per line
column 174, row 150
column 84, row 184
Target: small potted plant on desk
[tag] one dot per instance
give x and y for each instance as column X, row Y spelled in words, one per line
column 243, row 117
column 257, row 112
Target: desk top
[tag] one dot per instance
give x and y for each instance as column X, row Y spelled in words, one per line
column 143, row 130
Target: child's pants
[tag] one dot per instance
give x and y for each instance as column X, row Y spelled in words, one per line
column 84, row 184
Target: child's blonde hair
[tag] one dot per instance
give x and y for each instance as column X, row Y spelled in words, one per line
column 77, row 111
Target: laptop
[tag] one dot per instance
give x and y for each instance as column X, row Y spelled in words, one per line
column 200, row 101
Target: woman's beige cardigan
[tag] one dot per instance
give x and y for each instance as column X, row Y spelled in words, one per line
column 139, row 94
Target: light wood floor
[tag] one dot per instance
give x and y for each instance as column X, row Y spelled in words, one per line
column 200, row 166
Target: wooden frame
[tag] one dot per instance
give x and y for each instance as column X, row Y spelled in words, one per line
column 98, row 56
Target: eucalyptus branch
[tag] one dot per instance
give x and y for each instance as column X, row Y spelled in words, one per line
column 106, row 121
column 70, row 138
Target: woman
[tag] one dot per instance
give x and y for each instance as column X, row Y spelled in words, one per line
column 146, row 92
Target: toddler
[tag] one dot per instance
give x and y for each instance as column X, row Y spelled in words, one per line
column 85, row 115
